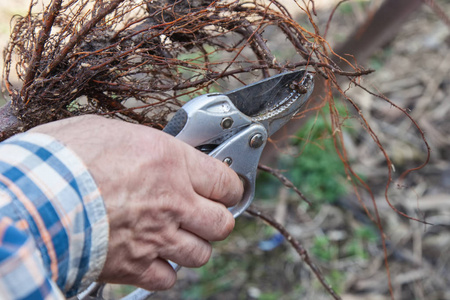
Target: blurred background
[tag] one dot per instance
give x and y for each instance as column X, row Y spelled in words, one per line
column 409, row 49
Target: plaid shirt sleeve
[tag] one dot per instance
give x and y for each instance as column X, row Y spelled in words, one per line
column 53, row 223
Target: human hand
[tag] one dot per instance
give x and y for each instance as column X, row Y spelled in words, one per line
column 165, row 200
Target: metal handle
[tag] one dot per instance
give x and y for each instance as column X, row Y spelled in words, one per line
column 241, row 151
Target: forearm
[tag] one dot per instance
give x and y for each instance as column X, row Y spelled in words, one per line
column 48, row 194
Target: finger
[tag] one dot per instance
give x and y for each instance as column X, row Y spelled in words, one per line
column 187, row 250
column 159, row 275
column 207, row 219
column 214, row 180
column 154, row 275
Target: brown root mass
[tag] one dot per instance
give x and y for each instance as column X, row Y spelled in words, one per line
column 136, row 59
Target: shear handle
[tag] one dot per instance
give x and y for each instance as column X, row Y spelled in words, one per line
column 201, row 122
column 242, row 152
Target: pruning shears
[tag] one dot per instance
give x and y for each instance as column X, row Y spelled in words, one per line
column 234, row 127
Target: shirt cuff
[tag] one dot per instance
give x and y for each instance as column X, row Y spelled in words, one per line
column 58, row 202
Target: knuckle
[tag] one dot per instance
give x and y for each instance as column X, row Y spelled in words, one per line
column 169, row 237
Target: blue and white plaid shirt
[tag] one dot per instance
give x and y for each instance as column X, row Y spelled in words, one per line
column 53, row 223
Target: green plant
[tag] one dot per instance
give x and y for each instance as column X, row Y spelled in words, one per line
column 327, row 251
column 336, row 279
column 215, row 277
column 266, row 186
column 379, row 58
column 323, row 249
column 347, row 8
column 357, row 246
column 270, row 296
column 317, row 169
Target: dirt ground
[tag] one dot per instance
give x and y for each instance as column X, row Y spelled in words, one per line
column 413, row 71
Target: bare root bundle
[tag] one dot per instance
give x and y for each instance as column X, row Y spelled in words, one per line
column 135, row 59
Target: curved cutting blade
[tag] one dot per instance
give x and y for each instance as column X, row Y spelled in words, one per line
column 275, row 100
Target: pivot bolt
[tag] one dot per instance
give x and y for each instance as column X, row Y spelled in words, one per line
column 256, row 140
column 228, row 161
column 227, row 122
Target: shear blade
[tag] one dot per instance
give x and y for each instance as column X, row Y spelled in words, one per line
column 256, row 98
column 263, row 97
